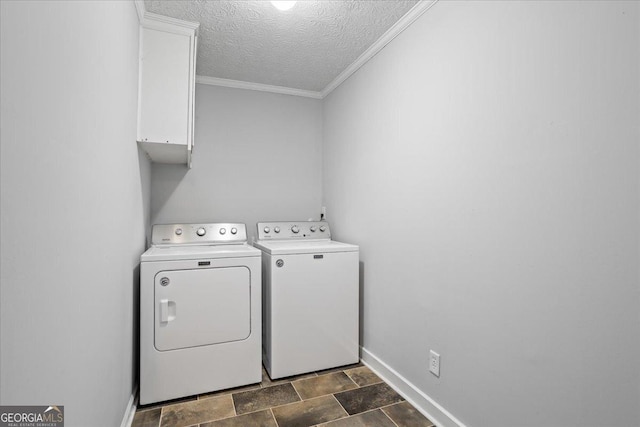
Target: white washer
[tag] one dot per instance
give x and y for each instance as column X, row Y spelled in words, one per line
column 310, row 298
column 200, row 311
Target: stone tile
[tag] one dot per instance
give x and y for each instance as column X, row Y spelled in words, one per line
column 309, row 412
column 268, row 382
column 324, row 384
column 339, row 368
column 405, row 415
column 367, row 398
column 198, row 411
column 368, row 419
column 255, row 400
column 363, row 376
column 147, row 418
column 229, row 391
column 254, row 419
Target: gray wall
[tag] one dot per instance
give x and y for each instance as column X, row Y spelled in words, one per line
column 75, row 206
column 487, row 162
column 257, row 157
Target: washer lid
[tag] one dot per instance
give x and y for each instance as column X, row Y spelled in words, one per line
column 288, row 247
column 182, row 252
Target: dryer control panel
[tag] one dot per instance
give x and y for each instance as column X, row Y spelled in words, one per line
column 294, row 230
column 198, row 234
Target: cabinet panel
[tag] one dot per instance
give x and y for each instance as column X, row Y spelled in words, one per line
column 164, row 87
column 167, row 87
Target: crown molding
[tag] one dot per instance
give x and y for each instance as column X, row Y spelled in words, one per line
column 141, row 9
column 403, row 23
column 153, row 20
column 215, row 81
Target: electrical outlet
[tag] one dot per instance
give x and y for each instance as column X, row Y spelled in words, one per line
column 434, row 363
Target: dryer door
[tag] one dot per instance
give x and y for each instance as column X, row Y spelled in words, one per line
column 202, row 307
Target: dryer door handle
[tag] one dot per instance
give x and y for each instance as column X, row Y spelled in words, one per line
column 167, row 310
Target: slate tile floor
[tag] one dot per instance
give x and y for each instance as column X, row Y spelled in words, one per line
column 350, row 396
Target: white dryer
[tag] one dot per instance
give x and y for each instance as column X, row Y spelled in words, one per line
column 200, row 311
column 310, row 298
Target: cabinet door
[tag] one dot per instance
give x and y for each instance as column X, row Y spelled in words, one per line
column 164, row 87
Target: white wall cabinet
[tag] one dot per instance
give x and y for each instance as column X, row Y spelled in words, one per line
column 167, row 85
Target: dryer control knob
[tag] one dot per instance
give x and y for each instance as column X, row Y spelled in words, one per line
column 201, row 231
column 295, row 229
column 223, row 230
column 323, row 228
column 313, row 228
column 276, row 229
column 178, row 231
column 267, row 229
column 234, row 230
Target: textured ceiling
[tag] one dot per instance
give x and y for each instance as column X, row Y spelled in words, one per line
column 305, row 47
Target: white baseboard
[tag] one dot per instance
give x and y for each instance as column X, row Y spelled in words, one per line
column 130, row 412
column 423, row 403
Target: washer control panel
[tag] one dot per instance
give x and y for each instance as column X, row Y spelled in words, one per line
column 207, row 234
column 286, row 230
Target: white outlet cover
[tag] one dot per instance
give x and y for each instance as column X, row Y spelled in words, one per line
column 434, row 363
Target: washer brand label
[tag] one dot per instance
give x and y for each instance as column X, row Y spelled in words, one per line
column 318, row 256
column 32, row 416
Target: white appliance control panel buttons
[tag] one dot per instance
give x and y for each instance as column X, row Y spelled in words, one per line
column 215, row 233
column 283, row 230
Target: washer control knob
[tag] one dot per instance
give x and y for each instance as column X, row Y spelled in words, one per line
column 178, row 231
column 201, row 231
column 295, row 229
column 276, row 229
column 323, row 228
column 234, row 230
column 223, row 231
column 313, row 228
column 267, row 229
